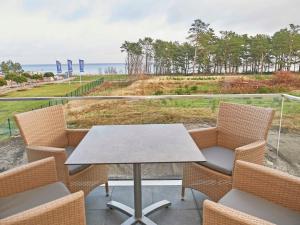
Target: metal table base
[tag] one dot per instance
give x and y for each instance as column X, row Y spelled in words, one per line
column 138, row 215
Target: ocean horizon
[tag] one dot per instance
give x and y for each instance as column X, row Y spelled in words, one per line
column 89, row 68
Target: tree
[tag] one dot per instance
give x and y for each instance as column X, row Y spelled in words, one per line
column 197, row 36
column 16, row 78
column 11, row 67
column 147, row 48
column 27, row 75
column 20, row 79
column 260, row 48
column 2, row 82
column 10, row 76
column 134, row 60
column 208, row 52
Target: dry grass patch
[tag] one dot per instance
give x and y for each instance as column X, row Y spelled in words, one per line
column 133, row 112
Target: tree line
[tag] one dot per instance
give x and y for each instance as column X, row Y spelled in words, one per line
column 206, row 52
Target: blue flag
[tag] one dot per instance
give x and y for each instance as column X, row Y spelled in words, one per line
column 58, row 66
column 70, row 67
column 81, row 65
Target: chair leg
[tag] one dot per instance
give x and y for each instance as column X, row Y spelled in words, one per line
column 106, row 189
column 182, row 193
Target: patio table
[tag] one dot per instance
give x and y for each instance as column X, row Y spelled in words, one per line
column 136, row 145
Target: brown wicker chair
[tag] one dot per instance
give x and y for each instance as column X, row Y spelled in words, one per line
column 26, row 199
column 45, row 134
column 241, row 133
column 260, row 196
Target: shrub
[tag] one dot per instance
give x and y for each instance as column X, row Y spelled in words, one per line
column 158, row 92
column 27, row 75
column 48, row 74
column 10, row 76
column 179, row 91
column 37, row 77
column 20, row 79
column 194, row 88
column 264, row 90
column 2, row 82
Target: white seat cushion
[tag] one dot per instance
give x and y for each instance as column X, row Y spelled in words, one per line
column 20, row 202
column 261, row 208
column 219, row 159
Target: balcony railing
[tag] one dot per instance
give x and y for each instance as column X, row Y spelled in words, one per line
column 193, row 111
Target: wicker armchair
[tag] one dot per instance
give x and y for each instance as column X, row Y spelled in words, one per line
column 45, row 134
column 25, row 198
column 240, row 134
column 260, row 196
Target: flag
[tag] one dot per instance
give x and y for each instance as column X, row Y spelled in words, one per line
column 58, row 66
column 81, row 65
column 70, row 67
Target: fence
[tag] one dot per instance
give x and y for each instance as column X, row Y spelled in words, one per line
column 9, row 128
column 192, row 110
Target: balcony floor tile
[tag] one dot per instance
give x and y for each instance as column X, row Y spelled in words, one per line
column 186, row 212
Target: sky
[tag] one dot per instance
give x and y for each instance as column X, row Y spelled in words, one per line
column 42, row 31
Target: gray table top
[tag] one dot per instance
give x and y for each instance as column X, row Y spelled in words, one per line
column 122, row 144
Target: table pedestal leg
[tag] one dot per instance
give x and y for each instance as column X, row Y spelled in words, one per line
column 137, row 215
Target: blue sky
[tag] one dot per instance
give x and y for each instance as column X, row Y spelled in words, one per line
column 41, row 31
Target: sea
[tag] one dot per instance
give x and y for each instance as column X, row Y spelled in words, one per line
column 89, row 68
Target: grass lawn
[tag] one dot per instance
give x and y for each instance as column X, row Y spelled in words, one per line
column 46, row 90
column 106, row 77
column 8, row 109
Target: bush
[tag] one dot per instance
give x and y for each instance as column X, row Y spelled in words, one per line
column 27, row 75
column 264, row 90
column 158, row 92
column 179, row 91
column 194, row 88
column 20, row 79
column 2, row 82
column 48, row 74
column 10, row 76
column 37, row 77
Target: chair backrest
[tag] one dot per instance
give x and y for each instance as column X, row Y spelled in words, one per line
column 239, row 125
column 43, row 127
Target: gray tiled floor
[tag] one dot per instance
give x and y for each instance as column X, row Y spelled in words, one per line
column 186, row 212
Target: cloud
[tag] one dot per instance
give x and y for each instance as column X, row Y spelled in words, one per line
column 41, row 31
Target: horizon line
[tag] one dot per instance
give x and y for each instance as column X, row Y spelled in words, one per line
column 33, row 64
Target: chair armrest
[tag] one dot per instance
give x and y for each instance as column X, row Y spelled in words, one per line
column 254, row 152
column 75, row 136
column 27, row 177
column 205, row 137
column 68, row 210
column 40, row 152
column 270, row 184
column 217, row 214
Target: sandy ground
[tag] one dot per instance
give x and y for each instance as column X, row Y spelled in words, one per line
column 12, row 154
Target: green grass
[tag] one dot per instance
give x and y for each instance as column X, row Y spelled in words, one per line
column 47, row 90
column 8, row 109
column 106, row 77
